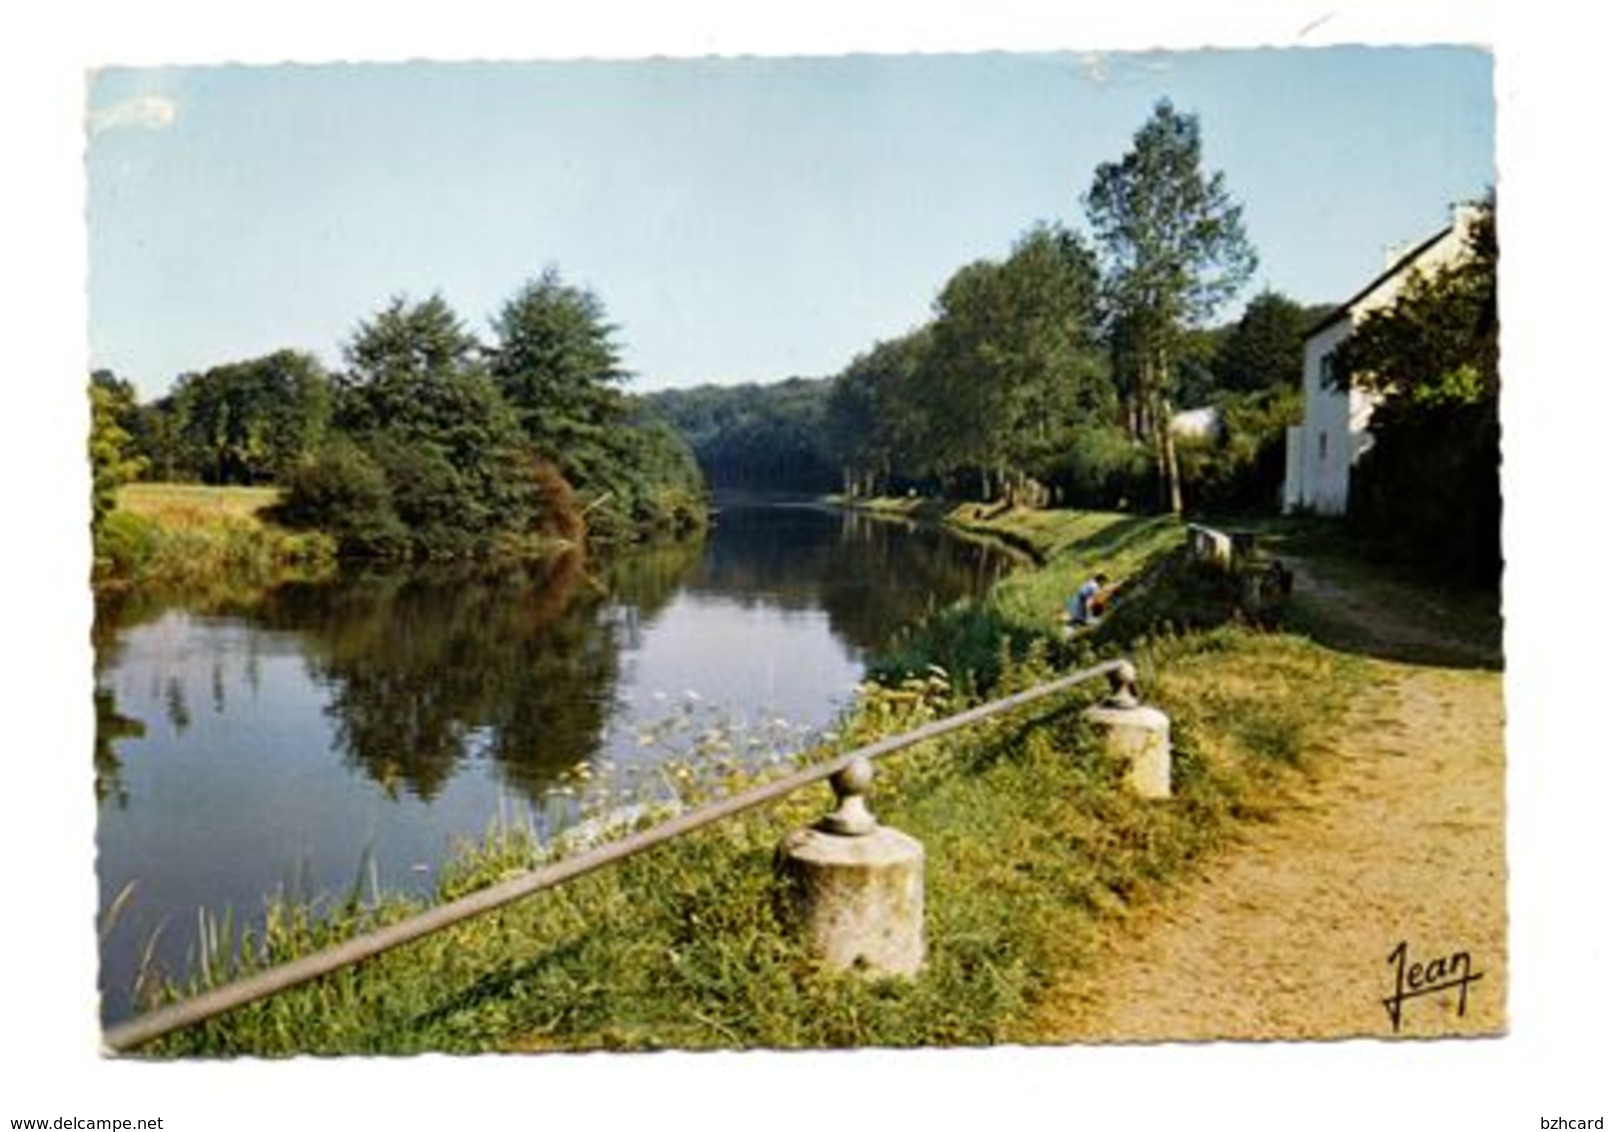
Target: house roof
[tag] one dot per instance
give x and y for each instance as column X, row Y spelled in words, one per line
column 1342, row 311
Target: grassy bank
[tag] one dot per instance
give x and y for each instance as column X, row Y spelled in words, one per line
column 1032, row 846
column 973, row 640
column 201, row 541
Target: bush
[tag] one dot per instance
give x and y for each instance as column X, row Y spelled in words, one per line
column 1103, row 469
column 342, row 491
column 1242, row 468
column 1430, row 485
column 124, row 543
column 557, row 505
column 438, row 506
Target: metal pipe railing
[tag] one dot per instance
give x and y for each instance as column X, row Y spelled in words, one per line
column 210, row 1004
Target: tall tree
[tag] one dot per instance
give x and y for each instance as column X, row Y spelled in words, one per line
column 556, row 361
column 401, row 362
column 1265, row 348
column 1051, row 342
column 432, row 462
column 112, row 459
column 875, row 417
column 1014, row 357
column 1173, row 249
column 248, row 422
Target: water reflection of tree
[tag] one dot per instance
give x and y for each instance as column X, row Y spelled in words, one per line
column 119, row 612
column 110, row 726
column 113, row 614
column 642, row 583
column 884, row 576
column 871, row 575
column 427, row 668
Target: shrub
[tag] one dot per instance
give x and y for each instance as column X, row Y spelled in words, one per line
column 1430, row 486
column 1103, row 469
column 438, row 506
column 1243, row 467
column 341, row 490
column 124, row 543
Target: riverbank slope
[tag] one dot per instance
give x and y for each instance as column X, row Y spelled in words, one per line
column 203, row 541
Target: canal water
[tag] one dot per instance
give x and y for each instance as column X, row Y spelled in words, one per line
column 319, row 737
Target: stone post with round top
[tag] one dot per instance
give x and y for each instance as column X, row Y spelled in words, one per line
column 855, row 887
column 1141, row 735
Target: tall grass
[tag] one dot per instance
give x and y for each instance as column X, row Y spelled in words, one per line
column 193, row 504
column 202, row 541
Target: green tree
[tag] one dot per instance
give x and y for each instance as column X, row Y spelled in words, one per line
column 876, row 417
column 1437, row 342
column 1015, row 360
column 249, row 422
column 112, row 459
column 1194, row 380
column 555, row 361
column 658, row 476
column 341, row 490
column 455, row 469
column 1265, row 348
column 155, row 427
column 1173, row 249
column 401, row 364
column 758, row 437
column 1241, row 467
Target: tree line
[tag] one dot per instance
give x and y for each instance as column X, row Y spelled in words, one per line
column 846, row 432
column 429, row 442
column 756, row 437
column 1054, row 374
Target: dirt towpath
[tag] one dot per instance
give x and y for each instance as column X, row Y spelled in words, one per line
column 1292, row 934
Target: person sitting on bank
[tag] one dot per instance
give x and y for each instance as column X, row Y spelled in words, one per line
column 1087, row 605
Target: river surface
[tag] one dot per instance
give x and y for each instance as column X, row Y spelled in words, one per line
column 319, row 737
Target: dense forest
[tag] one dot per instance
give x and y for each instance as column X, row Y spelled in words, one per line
column 429, row 442
column 816, row 435
column 756, row 437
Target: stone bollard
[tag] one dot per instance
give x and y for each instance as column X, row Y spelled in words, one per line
column 1141, row 735
column 857, row 888
column 1209, row 545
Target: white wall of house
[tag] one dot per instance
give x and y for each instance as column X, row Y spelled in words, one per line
column 1333, row 435
column 1324, row 446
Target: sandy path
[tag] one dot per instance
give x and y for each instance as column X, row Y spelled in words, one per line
column 1290, row 934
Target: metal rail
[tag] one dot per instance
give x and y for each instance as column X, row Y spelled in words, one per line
column 210, row 1004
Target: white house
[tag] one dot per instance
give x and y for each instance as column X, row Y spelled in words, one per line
column 1325, row 446
column 1198, row 424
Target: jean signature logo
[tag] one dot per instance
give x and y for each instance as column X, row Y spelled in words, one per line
column 1414, row 979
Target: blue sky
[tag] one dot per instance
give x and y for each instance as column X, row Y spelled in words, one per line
column 741, row 219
